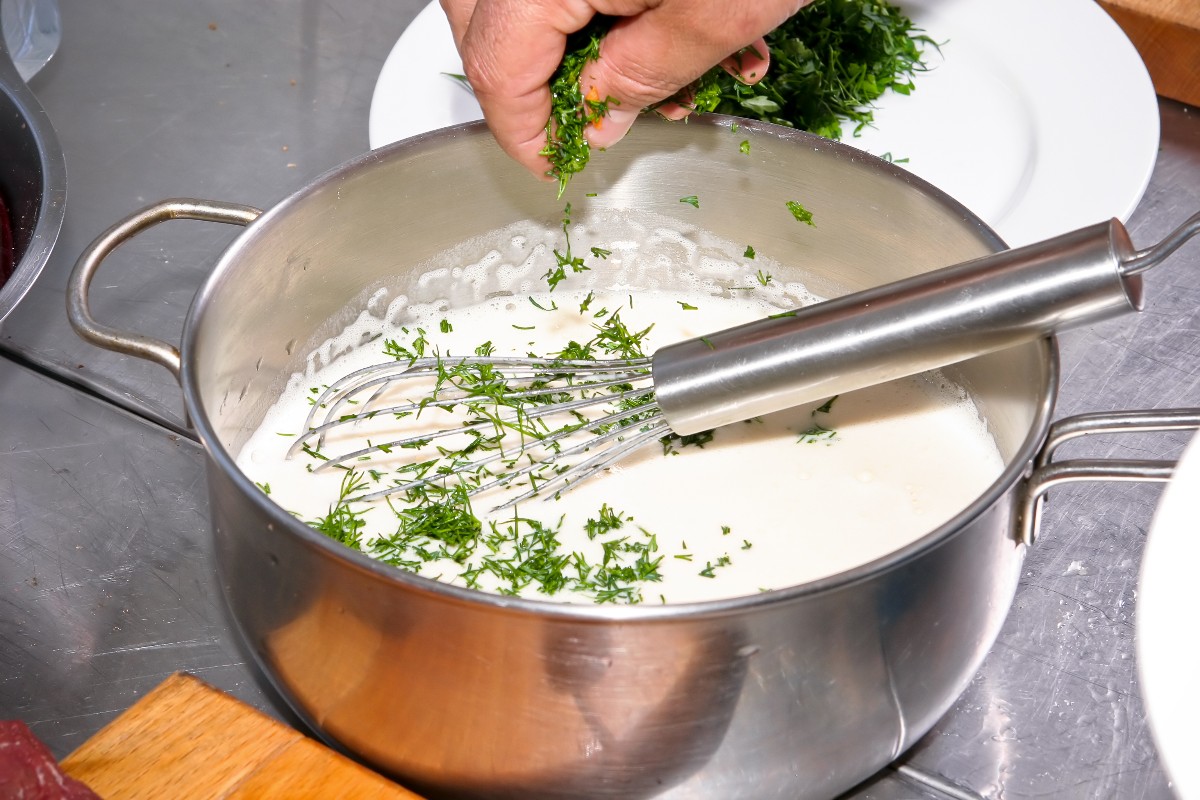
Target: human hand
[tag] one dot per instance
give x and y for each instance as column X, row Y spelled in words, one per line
column 511, row 48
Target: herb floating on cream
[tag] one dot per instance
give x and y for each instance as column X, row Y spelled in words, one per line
column 800, row 213
column 904, row 459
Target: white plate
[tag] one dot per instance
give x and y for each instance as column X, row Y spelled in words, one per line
column 1168, row 649
column 1038, row 115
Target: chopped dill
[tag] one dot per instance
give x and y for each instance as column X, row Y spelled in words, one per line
column 816, row 434
column 572, row 109
column 564, row 260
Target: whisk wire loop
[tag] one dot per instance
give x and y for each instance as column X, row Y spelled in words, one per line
column 495, row 397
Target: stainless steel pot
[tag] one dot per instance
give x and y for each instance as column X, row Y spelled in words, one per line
column 33, row 181
column 799, row 693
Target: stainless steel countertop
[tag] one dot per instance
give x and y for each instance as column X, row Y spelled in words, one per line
column 105, row 555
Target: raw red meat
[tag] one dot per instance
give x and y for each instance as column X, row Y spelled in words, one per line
column 28, row 771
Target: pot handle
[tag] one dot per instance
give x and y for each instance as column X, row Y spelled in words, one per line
column 78, row 309
column 1047, row 475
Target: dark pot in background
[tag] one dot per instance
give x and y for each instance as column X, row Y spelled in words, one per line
column 33, row 185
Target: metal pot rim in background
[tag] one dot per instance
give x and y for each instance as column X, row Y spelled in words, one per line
column 38, row 207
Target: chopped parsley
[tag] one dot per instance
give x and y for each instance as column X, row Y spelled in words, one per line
column 829, row 63
column 801, row 213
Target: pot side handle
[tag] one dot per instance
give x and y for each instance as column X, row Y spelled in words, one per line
column 1046, row 475
column 78, row 309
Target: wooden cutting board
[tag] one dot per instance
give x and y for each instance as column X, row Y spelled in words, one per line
column 1166, row 34
column 188, row 741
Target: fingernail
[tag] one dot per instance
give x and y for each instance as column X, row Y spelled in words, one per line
column 612, row 127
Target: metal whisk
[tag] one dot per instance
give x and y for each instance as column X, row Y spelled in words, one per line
column 524, row 392
column 892, row 331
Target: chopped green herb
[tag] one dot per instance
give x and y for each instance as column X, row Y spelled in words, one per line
column 342, row 523
column 749, row 252
column 829, row 63
column 826, row 407
column 564, row 260
column 710, row 568
column 763, row 277
column 801, row 213
column 687, row 306
column 816, row 434
column 692, row 200
column 607, row 520
column 572, row 109
column 689, row 440
column 744, row 147
column 311, row 453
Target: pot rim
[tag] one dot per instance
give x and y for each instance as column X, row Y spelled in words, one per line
column 1016, row 468
column 51, row 209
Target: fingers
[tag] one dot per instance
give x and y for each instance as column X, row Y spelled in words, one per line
column 650, row 56
column 749, row 64
column 458, row 14
column 510, row 50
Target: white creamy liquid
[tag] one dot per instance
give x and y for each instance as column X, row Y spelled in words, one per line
column 763, row 506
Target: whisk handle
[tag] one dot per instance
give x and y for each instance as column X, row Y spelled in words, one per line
column 898, row 329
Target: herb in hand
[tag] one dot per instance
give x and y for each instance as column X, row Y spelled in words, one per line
column 571, row 110
column 829, row 62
